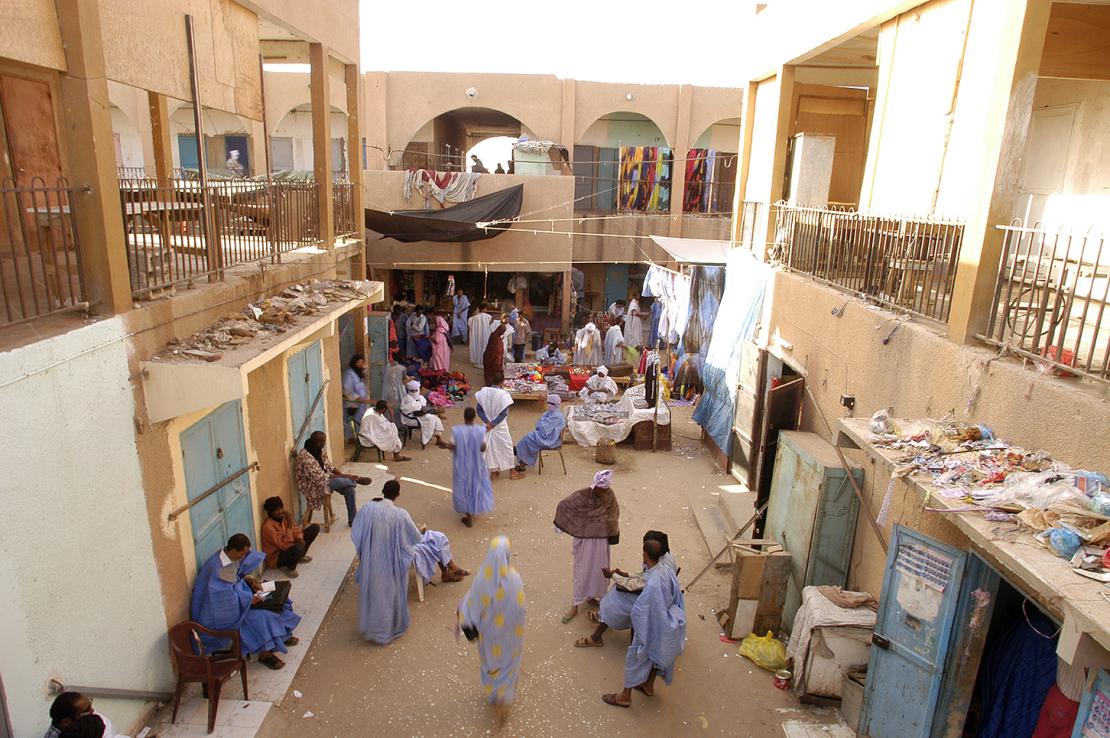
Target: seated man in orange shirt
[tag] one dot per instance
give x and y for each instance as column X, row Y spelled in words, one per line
column 283, row 541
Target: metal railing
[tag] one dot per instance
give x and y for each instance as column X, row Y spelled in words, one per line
column 249, row 220
column 1052, row 299
column 131, row 172
column 343, row 209
column 40, row 263
column 905, row 263
column 752, row 223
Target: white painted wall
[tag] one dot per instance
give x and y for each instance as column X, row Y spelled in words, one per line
column 298, row 126
column 131, row 143
column 82, row 601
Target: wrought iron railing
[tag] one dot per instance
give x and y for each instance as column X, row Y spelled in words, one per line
column 343, row 210
column 1052, row 299
column 131, row 172
column 904, row 263
column 40, row 263
column 169, row 243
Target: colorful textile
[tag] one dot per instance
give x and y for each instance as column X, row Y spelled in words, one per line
column 591, row 555
column 471, row 490
column 222, row 601
column 645, row 178
column 659, row 621
column 494, row 607
column 384, row 536
column 442, row 186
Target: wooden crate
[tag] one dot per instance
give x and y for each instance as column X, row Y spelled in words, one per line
column 641, row 436
column 758, row 587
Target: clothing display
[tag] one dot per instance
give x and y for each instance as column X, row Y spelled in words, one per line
column 701, row 180
column 645, row 178
column 442, row 186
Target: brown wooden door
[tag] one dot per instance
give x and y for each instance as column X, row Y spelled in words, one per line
column 780, row 412
column 28, row 116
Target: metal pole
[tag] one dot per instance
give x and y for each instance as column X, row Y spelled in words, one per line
column 211, row 490
column 210, row 241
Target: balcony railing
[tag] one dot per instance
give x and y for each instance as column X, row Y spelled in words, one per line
column 343, row 210
column 250, row 221
column 904, row 263
column 1052, row 299
column 40, row 266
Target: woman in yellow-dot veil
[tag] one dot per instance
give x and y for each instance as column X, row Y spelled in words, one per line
column 492, row 613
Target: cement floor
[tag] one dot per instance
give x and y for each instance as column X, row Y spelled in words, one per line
column 426, row 683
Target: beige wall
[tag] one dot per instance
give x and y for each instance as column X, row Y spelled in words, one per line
column 764, row 133
column 335, row 23
column 29, row 33
column 922, row 374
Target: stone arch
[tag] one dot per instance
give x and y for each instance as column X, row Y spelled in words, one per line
column 452, row 134
column 722, row 135
column 623, row 128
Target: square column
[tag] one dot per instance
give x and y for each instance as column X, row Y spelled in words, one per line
column 321, row 140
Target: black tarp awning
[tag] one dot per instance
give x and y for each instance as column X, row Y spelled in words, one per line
column 453, row 224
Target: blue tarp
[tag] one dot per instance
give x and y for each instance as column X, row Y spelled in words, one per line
column 736, row 321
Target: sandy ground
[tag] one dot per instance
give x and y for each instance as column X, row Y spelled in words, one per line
column 427, row 684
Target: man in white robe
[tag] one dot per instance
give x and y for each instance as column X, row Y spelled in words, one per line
column 388, row 543
column 492, row 405
column 633, row 324
column 480, row 326
column 587, row 346
column 614, row 345
column 378, row 430
column 415, row 413
column 599, row 388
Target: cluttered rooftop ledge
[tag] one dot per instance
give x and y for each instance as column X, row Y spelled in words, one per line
column 1037, row 520
column 210, row 367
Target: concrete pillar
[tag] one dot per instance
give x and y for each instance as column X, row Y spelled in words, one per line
column 354, row 173
column 375, row 123
column 162, row 143
column 744, row 157
column 321, row 139
column 768, row 188
column 87, row 127
column 680, row 150
column 566, row 316
column 1010, row 38
column 566, row 129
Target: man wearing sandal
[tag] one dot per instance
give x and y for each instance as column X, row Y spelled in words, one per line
column 227, row 597
column 659, row 626
column 616, row 606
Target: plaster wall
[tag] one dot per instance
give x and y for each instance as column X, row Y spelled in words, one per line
column 334, row 23
column 621, row 132
column 764, row 132
column 720, row 136
column 922, row 374
column 297, row 125
column 29, row 33
column 131, row 143
column 79, row 533
column 286, row 91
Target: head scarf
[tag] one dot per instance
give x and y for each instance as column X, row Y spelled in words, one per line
column 412, row 385
column 603, row 478
column 603, row 370
column 589, row 513
column 554, row 401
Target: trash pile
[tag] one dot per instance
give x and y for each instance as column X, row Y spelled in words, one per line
column 1066, row 508
column 274, row 314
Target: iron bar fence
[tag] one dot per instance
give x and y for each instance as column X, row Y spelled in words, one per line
column 40, row 262
column 131, row 172
column 343, row 209
column 1051, row 299
column 904, row 263
column 251, row 220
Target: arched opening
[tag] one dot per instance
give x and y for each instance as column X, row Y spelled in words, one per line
column 710, row 167
column 291, row 142
column 128, row 143
column 495, row 153
column 446, row 142
column 228, row 143
column 622, row 162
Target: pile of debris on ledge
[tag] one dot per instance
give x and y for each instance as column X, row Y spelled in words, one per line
column 267, row 315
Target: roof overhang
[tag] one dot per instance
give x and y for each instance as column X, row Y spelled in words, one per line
column 695, row 250
column 177, row 387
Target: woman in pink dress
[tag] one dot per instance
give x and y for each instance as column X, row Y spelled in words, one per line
column 441, row 344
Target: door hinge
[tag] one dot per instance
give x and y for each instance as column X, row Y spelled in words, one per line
column 880, row 641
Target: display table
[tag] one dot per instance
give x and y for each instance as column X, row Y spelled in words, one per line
column 615, row 420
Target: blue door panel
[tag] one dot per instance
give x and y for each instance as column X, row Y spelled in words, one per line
column 921, row 590
column 616, row 283
column 377, row 330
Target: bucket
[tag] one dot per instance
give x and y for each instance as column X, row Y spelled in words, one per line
column 605, row 452
column 781, row 679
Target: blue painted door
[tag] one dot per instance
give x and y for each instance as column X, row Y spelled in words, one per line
column 921, row 591
column 213, row 450
column 616, row 283
column 187, row 151
column 306, row 374
column 377, row 333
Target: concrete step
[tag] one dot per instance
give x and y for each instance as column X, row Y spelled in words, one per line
column 737, row 508
column 713, row 528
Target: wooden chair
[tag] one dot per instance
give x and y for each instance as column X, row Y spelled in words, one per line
column 559, row 450
column 211, row 670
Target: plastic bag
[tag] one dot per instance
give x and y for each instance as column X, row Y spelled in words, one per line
column 766, row 652
column 1063, row 542
column 1037, row 489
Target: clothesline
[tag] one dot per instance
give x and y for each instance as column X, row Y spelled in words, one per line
column 731, row 157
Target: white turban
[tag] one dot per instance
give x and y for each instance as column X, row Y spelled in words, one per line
column 554, row 401
column 412, row 385
column 602, row 479
column 603, row 370
column 590, row 327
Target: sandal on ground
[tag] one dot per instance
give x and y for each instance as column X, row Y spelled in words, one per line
column 611, row 699
column 305, row 560
column 587, row 642
column 514, row 474
column 593, row 616
column 640, row 688
column 469, row 523
column 292, row 641
column 273, row 662
column 402, row 458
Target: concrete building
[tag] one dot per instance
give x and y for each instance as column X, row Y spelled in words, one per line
column 570, row 216
column 118, row 440
column 945, row 161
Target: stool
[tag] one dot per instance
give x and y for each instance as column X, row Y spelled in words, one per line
column 329, row 515
column 419, row 581
column 539, row 461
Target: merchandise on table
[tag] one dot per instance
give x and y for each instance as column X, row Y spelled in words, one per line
column 453, row 385
column 603, row 413
column 524, row 387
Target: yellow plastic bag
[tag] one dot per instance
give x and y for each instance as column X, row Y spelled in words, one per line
column 766, row 652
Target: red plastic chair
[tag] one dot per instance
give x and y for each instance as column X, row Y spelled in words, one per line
column 211, row 670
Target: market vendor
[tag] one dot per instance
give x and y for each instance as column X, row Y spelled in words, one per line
column 550, row 354
column 418, row 414
column 547, row 436
column 600, row 387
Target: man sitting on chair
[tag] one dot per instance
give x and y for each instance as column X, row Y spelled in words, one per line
column 317, row 478
column 379, row 431
column 547, row 436
column 417, row 413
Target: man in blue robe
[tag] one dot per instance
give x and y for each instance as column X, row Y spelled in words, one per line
column 659, row 622
column 459, row 316
column 388, row 543
column 547, row 436
column 224, row 597
column 550, row 354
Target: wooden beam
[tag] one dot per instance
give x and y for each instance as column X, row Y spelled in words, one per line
column 1077, row 45
column 321, row 140
column 160, row 135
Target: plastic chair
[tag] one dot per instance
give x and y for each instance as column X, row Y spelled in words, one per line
column 358, row 442
column 211, row 670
